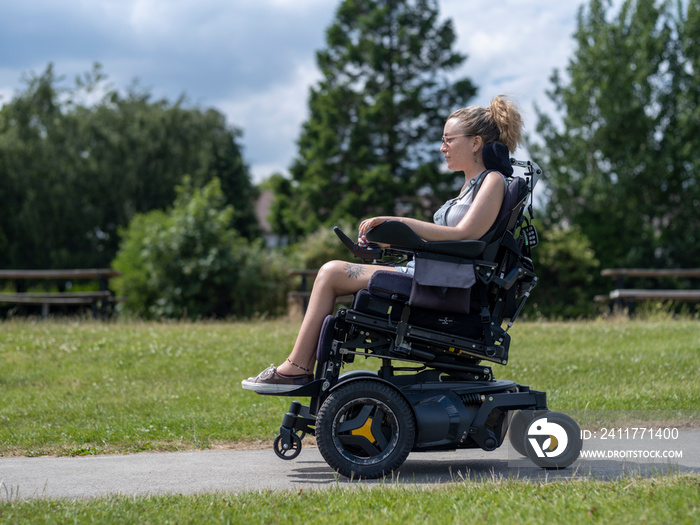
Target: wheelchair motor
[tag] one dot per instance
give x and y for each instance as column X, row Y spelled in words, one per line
column 435, row 336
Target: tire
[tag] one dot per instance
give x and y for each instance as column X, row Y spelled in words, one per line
column 544, row 440
column 517, row 428
column 365, row 429
column 287, row 453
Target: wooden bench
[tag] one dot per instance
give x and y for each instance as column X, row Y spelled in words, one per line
column 621, row 296
column 101, row 301
column 298, row 301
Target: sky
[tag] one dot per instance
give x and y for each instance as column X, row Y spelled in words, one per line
column 255, row 60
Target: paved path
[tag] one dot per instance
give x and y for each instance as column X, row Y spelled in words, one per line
column 242, row 470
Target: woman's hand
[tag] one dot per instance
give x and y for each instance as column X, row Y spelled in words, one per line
column 366, row 226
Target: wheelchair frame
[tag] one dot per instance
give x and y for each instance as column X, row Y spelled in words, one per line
column 366, row 423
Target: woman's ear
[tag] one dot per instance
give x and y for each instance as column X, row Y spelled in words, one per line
column 477, row 144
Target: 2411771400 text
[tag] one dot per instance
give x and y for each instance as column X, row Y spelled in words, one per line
column 665, row 433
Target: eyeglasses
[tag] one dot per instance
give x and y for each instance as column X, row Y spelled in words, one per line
column 448, row 140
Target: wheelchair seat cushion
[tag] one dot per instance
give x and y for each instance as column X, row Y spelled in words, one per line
column 384, row 307
column 385, row 295
column 390, row 285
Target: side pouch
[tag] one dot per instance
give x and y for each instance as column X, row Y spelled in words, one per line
column 442, row 285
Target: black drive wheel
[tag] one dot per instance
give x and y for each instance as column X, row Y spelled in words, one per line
column 365, row 429
column 517, row 428
column 553, row 440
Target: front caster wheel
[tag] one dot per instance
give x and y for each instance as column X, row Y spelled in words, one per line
column 365, row 429
column 553, row 440
column 287, row 450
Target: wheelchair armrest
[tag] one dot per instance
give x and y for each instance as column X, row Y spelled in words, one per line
column 397, row 234
column 400, row 236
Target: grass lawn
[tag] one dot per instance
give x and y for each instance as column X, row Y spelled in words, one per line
column 75, row 388
column 672, row 500
column 84, row 387
column 88, row 387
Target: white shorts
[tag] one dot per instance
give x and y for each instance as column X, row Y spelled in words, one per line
column 408, row 269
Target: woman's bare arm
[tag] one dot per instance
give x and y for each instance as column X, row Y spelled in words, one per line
column 478, row 220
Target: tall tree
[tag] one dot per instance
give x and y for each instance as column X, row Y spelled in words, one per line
column 74, row 172
column 619, row 164
column 680, row 104
column 371, row 143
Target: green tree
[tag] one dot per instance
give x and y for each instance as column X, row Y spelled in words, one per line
column 620, row 165
column 680, row 240
column 371, row 143
column 74, row 172
column 187, row 261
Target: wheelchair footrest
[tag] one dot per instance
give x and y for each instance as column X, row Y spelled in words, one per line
column 312, row 389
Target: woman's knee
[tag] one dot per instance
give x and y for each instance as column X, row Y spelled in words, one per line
column 342, row 277
column 330, row 271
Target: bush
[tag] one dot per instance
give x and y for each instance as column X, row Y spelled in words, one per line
column 567, row 270
column 189, row 262
column 322, row 246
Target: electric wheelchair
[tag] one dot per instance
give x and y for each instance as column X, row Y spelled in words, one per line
column 435, row 336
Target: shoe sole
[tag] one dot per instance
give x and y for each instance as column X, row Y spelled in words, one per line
column 268, row 388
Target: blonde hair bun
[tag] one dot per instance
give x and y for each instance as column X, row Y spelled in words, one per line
column 509, row 121
column 500, row 122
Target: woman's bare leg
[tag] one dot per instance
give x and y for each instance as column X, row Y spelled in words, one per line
column 334, row 279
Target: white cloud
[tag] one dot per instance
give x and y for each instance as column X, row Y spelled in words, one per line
column 271, row 120
column 5, row 95
column 514, row 46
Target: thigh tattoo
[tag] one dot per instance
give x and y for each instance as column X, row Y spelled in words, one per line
column 354, row 270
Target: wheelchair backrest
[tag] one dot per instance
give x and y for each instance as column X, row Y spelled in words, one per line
column 509, row 216
column 496, row 157
column 514, row 275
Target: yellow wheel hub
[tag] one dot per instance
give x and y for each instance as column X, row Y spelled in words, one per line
column 365, row 431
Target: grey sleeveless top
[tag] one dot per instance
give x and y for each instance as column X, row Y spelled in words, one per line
column 455, row 209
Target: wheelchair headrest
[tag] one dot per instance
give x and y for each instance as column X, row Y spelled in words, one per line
column 496, row 157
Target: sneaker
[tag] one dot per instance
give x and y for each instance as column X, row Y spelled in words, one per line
column 269, row 381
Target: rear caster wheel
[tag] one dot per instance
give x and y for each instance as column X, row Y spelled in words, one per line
column 553, row 440
column 517, row 428
column 287, row 450
column 365, row 429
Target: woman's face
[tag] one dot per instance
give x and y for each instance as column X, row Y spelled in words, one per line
column 457, row 146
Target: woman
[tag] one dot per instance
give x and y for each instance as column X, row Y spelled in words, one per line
column 467, row 216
